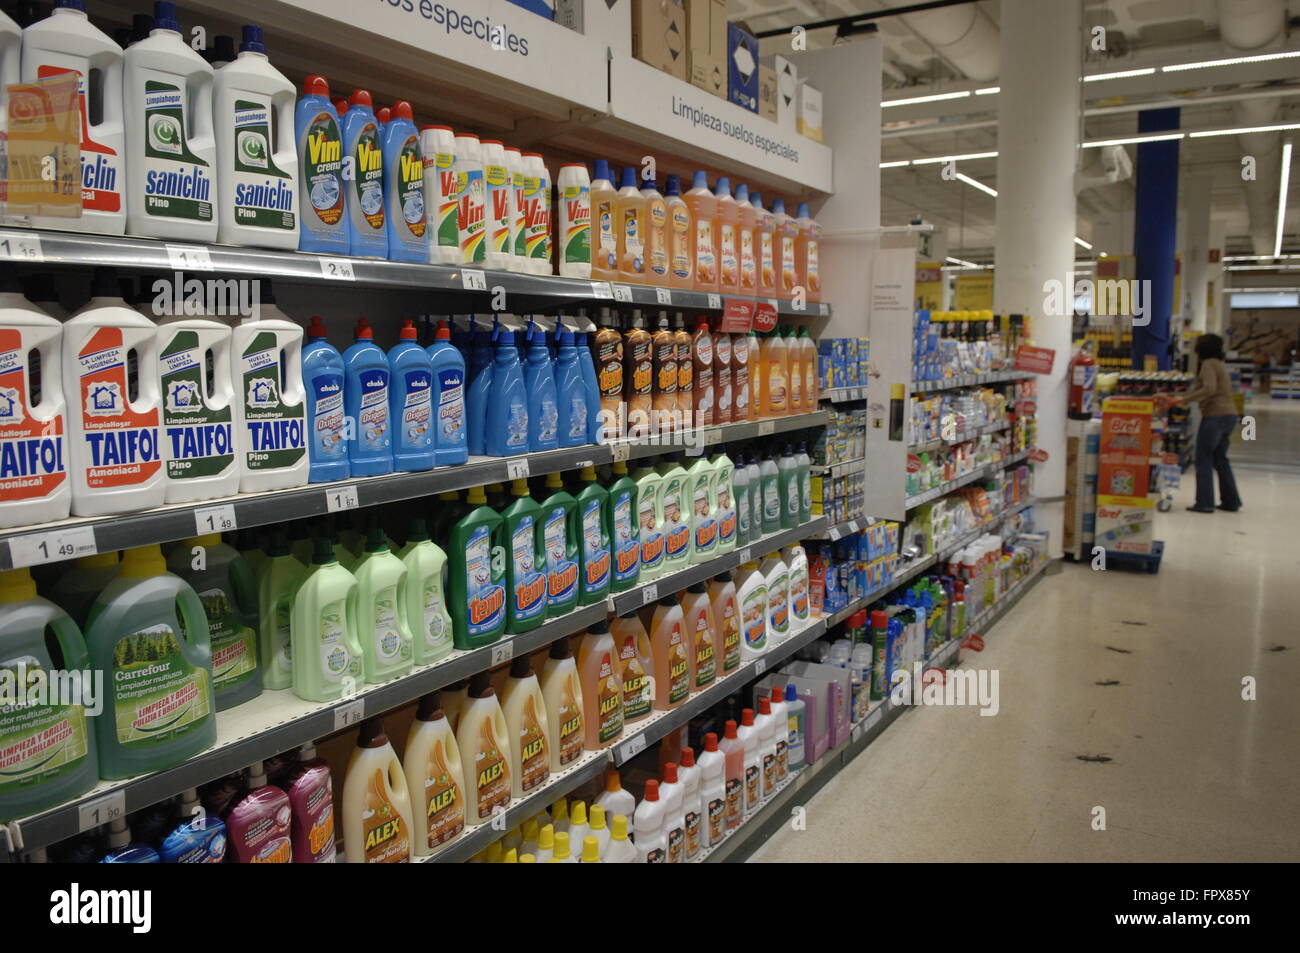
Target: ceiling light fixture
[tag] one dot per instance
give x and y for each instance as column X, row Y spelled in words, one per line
column 1227, row 258
column 988, row 91
column 962, row 262
column 1082, row 244
column 1231, row 61
column 931, row 160
column 1131, row 140
column 915, row 100
column 1281, row 197
column 1119, row 74
column 1243, row 130
column 988, row 190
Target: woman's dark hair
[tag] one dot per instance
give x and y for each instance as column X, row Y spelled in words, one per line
column 1208, row 346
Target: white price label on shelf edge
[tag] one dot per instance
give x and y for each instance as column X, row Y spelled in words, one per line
column 337, row 269
column 833, row 533
column 503, row 652
column 746, row 555
column 517, row 469
column 622, row 293
column 711, row 436
column 215, row 519
column 664, row 295
column 473, row 279
column 601, row 289
column 341, row 498
column 350, row 714
column 766, row 428
column 189, row 258
column 649, row 593
column 856, row 733
column 853, row 526
column 873, row 719
column 630, row 749
column 37, row 548
column 715, row 301
column 620, row 451
column 760, row 666
column 22, row 248
column 102, row 810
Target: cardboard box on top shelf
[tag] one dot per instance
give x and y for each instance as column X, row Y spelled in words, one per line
column 767, row 92
column 706, row 45
column 568, row 13
column 742, row 67
column 809, row 112
column 659, row 35
column 787, row 91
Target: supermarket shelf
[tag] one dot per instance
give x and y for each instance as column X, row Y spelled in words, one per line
column 21, row 546
column 1017, row 507
column 844, row 395
column 842, row 529
column 1008, row 601
column 980, row 473
column 841, row 468
column 970, row 380
column 975, row 434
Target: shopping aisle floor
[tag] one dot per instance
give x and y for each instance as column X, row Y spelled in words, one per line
column 1196, row 773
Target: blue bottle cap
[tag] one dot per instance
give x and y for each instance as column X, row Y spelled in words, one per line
column 756, row 200
column 164, row 16
column 778, row 206
column 742, row 194
column 803, row 211
column 701, row 181
column 252, row 39
column 70, row 5
column 790, row 694
column 722, row 186
column 566, row 338
column 602, row 170
column 673, row 185
column 629, row 178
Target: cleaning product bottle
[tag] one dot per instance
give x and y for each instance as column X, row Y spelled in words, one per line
column 543, row 398
column 484, row 742
column 404, row 197
column 435, row 777
column 508, row 411
column 766, row 726
column 785, row 232
column 638, row 376
column 33, row 468
column 770, row 493
column 377, row 826
column 526, row 561
column 754, row 361
column 200, row 837
column 726, row 623
column 774, row 385
column 721, row 491
column 362, row 141
column 712, row 793
column 670, row 650
column 656, row 234
column 688, row 774
column 324, row 638
column 498, row 192
column 424, row 601
column 748, row 735
column 80, row 584
column 777, row 575
column 609, row 376
column 324, row 225
column 780, row 729
column 787, row 488
column 746, row 240
column 528, row 726
column 148, row 634
column 754, row 483
column 663, row 372
column 560, row 534
column 258, row 826
column 620, row 850
column 734, row 773
column 277, row 584
column 701, row 633
column 573, row 229
column 685, row 375
column 604, row 224
column 595, row 562
column 438, row 149
column 704, row 516
column 764, row 246
column 740, row 491
column 806, row 258
column 702, row 405
column 651, row 838
column 365, row 390
column 322, row 374
column 796, row 559
column 631, row 226
column 635, row 665
column 448, row 399
column 670, row 792
column 793, row 371
column 110, row 350
column 50, row 748
column 648, row 485
column 306, row 781
column 795, row 708
column 386, row 651
column 807, row 352
column 225, row 585
column 66, row 42
column 751, row 597
column 591, row 383
column 123, row 850
column 624, row 525
column 570, row 394
column 679, row 235
column 602, row 686
column 675, row 515
column 534, row 245
column 704, row 245
column 728, row 218
column 410, row 403
column 615, row 801
column 740, row 385
column 804, row 468
column 171, row 186
column 257, row 157
column 562, row 693
column 724, row 407
column 477, row 575
column 471, row 199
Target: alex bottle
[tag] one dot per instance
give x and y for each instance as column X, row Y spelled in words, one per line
column 435, row 777
column 323, row 223
column 51, row 747
column 410, row 403
column 171, row 149
column 508, row 413
column 700, row 629
column 648, row 484
column 109, row 351
column 680, row 235
column 592, row 525
column 450, row 436
column 635, row 665
column 366, row 381
column 322, row 378
column 148, row 634
column 528, row 728
column 269, row 402
column 670, row 651
column 624, row 527
column 631, row 226
column 656, row 234
column 728, row 227
column 424, row 603
column 377, row 827
column 570, row 394
column 726, row 623
column 482, row 736
column 476, row 579
column 438, row 150
column 543, row 400
column 363, row 147
column 602, row 686
column 675, row 509
column 404, row 195
column 471, row 199
column 562, row 693
column 751, row 602
column 277, row 585
column 704, row 233
column 704, row 516
column 573, row 226
column 65, row 42
column 526, row 559
column 604, row 225
column 34, row 484
column 324, row 630
column 257, row 160
column 386, row 651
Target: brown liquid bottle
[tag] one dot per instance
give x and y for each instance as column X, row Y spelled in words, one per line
column 609, row 374
column 723, row 391
column 740, row 377
column 685, row 373
column 638, row 379
column 663, row 350
column 702, row 357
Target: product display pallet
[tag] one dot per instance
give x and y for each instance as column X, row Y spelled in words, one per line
column 979, row 473
column 938, row 442
column 1144, row 562
column 970, row 380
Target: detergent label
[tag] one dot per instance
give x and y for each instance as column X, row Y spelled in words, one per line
column 609, row 695
column 677, row 534
column 679, row 241
column 274, row 431
column 448, row 233
column 609, row 364
column 716, row 818
column 336, row 659
column 437, row 626
column 444, row 801
column 692, row 833
column 799, row 594
column 576, row 239
column 753, row 782
column 656, row 223
column 417, row 412
column 729, row 258
column 627, row 543
column 679, row 666
column 706, row 265
column 596, row 559
column 705, row 654
column 730, row 625
column 577, row 418
column 529, row 594
column 102, row 169
column 778, row 604
column 234, row 645
column 471, row 215
column 387, row 841
column 706, row 526
column 486, row 597
column 491, row 772
column 517, row 423
column 638, row 687
column 498, row 207
column 177, row 183
column 652, row 538
column 633, row 241
column 726, row 508
column 410, row 188
column 748, row 267
column 788, row 275
column 451, row 408
column 535, row 209
column 676, row 841
column 735, row 810
column 198, row 438
column 766, row 262
column 548, row 421
column 769, row 773
column 685, row 376
column 753, row 618
column 792, row 499
column 157, row 694
column 372, row 411
column 562, row 572
column 814, row 271
column 31, row 451
column 263, row 193
column 569, row 718
column 771, row 500
column 534, row 755
column 321, row 166
column 390, row 645
column 325, row 391
column 122, row 443
column 368, row 181
column 641, row 365
column 742, row 513
column 38, row 743
column 606, row 235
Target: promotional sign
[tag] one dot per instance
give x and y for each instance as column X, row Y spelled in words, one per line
column 929, row 286
column 737, row 316
column 764, row 316
column 974, row 293
column 1125, row 523
column 1124, row 465
column 1036, row 360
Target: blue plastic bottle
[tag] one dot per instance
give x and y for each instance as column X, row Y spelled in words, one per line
column 365, row 397
column 479, row 390
column 507, row 412
column 404, row 206
column 543, row 404
column 588, row 368
column 368, row 232
column 570, row 393
column 450, row 444
column 322, row 378
column 410, row 403
column 320, row 171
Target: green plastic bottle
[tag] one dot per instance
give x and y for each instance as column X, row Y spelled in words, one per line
column 251, row 544
column 674, row 516
column 625, row 529
column 280, row 578
column 426, row 601
column 724, row 500
column 648, row 485
column 787, row 484
column 77, row 588
column 525, row 561
column 560, row 537
column 322, row 630
column 300, row 542
column 221, row 577
column 595, row 564
column 497, row 497
column 381, row 611
column 50, row 749
column 477, row 576
column 770, row 494
column 148, row 634
column 446, row 512
column 704, row 516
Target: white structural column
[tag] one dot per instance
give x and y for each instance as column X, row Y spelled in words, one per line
column 1196, row 249
column 1038, row 138
column 1217, row 311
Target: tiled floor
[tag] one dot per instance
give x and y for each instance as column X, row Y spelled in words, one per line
column 1196, row 772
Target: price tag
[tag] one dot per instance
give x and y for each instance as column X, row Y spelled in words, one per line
column 473, row 279
column 630, row 749
column 760, row 666
column 620, row 451
column 663, row 296
column 650, row 593
column 622, row 293
column 517, row 469
column 873, row 719
column 38, row 548
column 341, row 498
column 746, row 555
column 102, row 810
column 856, row 733
column 766, row 427
column 601, row 289
column 834, row 533
column 715, row 301
column 22, row 248
column 215, row 519
column 349, row 715
column 853, row 526
column 503, row 652
column 191, row 257
column 338, row 269
column 711, row 436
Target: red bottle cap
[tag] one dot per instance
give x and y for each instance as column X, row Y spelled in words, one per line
column 364, row 331
column 651, row 792
column 764, row 706
column 443, row 333
column 688, row 757
column 340, row 105
column 711, row 742
column 383, row 114
column 408, row 332
column 879, row 619
column 317, row 327
column 730, row 729
column 491, row 142
column 747, row 717
column 777, row 696
column 670, row 773
column 402, row 110
column 360, row 97
column 316, row 86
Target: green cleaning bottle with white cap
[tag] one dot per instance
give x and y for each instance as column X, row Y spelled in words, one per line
column 381, row 615
column 426, row 601
column 322, row 629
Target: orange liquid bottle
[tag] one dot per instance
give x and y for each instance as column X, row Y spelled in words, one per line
column 638, row 378
column 786, row 230
column 702, row 358
column 656, row 234
column 685, row 373
column 748, row 225
column 609, row 374
column 637, row 666
column 793, row 373
column 670, row 654
column 808, row 360
column 681, row 261
column 663, row 352
column 807, row 266
column 765, row 244
column 728, row 229
column 604, row 231
column 631, row 229
column 602, row 686
column 704, row 243
column 776, row 395
column 697, row 622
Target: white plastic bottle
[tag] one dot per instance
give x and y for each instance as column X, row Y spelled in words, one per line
column 796, row 560
column 615, row 799
column 573, row 223
column 780, row 720
column 438, row 146
column 651, row 838
column 34, row 484
column 518, row 261
column 620, row 850
column 767, row 745
column 600, row 828
column 171, row 148
column 257, row 155
column 748, row 733
column 777, row 574
column 751, row 602
column 471, row 196
column 270, row 402
column 688, row 772
column 530, row 742
column 713, row 792
column 376, row 803
column 672, row 792
column 68, row 41
column 537, row 215
column 498, row 191
column 795, row 707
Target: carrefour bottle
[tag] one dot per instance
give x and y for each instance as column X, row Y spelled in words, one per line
column 386, row 651
column 277, row 584
column 506, row 433
column 595, row 560
column 365, row 397
column 624, row 528
column 324, row 225
column 449, row 431
column 526, row 561
column 570, row 393
column 404, row 196
column 324, row 639
column 269, row 400
column 543, row 401
column 476, row 579
column 322, row 377
column 410, row 402
column 367, row 223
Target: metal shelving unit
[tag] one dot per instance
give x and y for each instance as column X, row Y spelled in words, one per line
column 979, row 473
column 844, row 395
column 975, row 434
column 970, row 380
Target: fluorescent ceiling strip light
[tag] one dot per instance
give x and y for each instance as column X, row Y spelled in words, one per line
column 1119, row 74
column 1281, row 197
column 1259, row 257
column 1231, row 61
column 1243, row 130
column 962, row 262
column 1131, row 140
column 1260, row 267
column 930, row 160
column 1082, row 244
column 963, row 177
column 988, row 91
column 935, row 98
column 895, row 165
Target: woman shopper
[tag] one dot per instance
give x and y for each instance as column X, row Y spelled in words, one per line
column 1213, row 391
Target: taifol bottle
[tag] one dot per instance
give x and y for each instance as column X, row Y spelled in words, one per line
column 704, row 243
column 670, row 650
column 675, row 515
column 651, row 840
column 363, row 145
column 543, row 398
column 728, row 227
column 377, row 827
column 713, row 793
column 259, row 825
column 751, row 598
column 565, row 712
column 602, row 687
column 410, row 403
column 438, row 150
column 573, row 225
column 625, row 529
column 560, row 539
column 323, row 629
column 733, row 767
column 471, row 199
column 680, row 235
column 701, row 633
column 386, row 651
column 604, row 224
column 448, row 399
column 324, row 225
column 724, row 501
column 424, row 604
column 322, row 377
column 702, row 354
column 405, row 201
column 726, row 624
column 435, row 777
column 508, row 412
column 635, row 666
column 526, row 561
column 631, row 226
column 484, row 742
column 269, row 400
column 528, row 726
column 595, row 557
column 656, row 234
column 476, row 579
column 704, row 516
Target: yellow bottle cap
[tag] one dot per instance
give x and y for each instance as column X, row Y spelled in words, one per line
column 206, row 540
column 448, row 495
column 519, row 487
column 597, row 817
column 494, row 853
column 554, row 482
column 620, row 467
column 527, row 859
column 496, row 488
column 590, row 850
column 17, row 585
column 562, row 845
column 475, row 497
column 618, row 831
column 546, row 837
column 99, row 560
column 143, row 562
column 511, row 857
column 578, row 813
column 587, row 474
